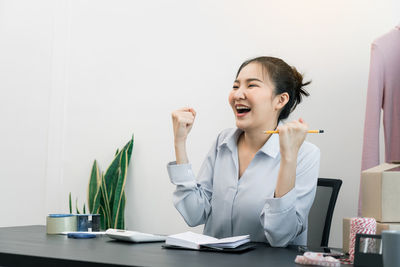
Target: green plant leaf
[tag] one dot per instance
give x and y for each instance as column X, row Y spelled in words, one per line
column 103, row 219
column 111, row 174
column 76, row 205
column 113, row 183
column 70, row 203
column 129, row 148
column 119, row 190
column 105, row 203
column 121, row 219
column 94, row 193
column 84, row 208
column 113, row 171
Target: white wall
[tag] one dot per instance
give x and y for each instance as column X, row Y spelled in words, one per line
column 77, row 78
column 25, row 87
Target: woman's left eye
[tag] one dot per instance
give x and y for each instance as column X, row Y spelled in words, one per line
column 252, row 85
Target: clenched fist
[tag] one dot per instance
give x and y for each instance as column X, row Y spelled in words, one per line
column 291, row 137
column 182, row 120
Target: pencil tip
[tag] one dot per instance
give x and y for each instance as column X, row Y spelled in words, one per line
column 321, row 131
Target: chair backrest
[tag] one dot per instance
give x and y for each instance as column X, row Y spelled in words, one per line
column 321, row 212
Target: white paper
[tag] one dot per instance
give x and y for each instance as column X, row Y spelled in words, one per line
column 193, row 240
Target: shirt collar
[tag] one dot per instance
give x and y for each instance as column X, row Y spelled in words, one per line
column 270, row 148
column 231, row 138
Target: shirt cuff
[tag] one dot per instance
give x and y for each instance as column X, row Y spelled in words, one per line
column 180, row 173
column 282, row 204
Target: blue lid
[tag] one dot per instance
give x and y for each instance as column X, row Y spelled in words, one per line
column 60, row 215
column 80, row 235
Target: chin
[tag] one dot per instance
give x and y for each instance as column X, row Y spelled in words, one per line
column 241, row 125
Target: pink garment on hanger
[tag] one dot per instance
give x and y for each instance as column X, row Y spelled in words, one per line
column 383, row 93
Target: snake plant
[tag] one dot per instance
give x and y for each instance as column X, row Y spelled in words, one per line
column 106, row 190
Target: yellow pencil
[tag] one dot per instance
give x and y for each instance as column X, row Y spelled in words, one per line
column 309, row 131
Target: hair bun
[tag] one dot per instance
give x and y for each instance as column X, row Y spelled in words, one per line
column 299, row 90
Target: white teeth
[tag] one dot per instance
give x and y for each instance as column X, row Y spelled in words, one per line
column 242, row 107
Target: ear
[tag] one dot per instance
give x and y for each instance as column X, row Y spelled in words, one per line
column 280, row 101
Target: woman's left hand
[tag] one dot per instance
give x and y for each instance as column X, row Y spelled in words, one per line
column 291, row 137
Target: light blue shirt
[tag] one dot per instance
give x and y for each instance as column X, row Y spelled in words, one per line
column 229, row 206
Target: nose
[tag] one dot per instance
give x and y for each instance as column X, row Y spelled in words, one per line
column 239, row 93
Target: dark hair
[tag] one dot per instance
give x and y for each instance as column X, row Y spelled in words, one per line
column 285, row 78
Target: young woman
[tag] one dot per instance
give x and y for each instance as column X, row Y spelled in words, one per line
column 251, row 182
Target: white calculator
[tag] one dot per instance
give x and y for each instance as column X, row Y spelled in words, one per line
column 133, row 236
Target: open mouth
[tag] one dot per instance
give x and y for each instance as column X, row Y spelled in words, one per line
column 241, row 109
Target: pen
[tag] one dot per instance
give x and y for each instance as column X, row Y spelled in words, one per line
column 309, row 131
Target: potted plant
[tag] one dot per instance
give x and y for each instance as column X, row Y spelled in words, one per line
column 106, row 190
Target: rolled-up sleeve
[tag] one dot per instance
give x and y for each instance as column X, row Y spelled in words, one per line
column 192, row 196
column 285, row 218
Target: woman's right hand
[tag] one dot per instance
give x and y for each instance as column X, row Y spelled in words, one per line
column 182, row 120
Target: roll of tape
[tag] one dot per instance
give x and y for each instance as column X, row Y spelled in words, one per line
column 58, row 223
column 360, row 226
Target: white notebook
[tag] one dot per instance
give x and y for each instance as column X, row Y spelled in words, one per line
column 195, row 241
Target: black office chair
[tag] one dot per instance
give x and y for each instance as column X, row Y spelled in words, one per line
column 321, row 212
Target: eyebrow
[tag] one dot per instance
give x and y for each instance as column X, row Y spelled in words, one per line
column 250, row 80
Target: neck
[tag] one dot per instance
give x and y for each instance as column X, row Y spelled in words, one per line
column 256, row 138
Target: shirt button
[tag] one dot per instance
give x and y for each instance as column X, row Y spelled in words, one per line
column 267, row 206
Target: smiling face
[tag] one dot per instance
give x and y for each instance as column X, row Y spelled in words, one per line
column 253, row 101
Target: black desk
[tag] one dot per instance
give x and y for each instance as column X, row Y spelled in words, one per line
column 30, row 246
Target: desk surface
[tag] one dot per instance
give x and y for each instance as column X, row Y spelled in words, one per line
column 30, row 246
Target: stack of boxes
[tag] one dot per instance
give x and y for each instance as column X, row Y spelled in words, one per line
column 380, row 196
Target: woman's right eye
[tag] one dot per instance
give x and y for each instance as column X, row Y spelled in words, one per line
column 235, row 87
